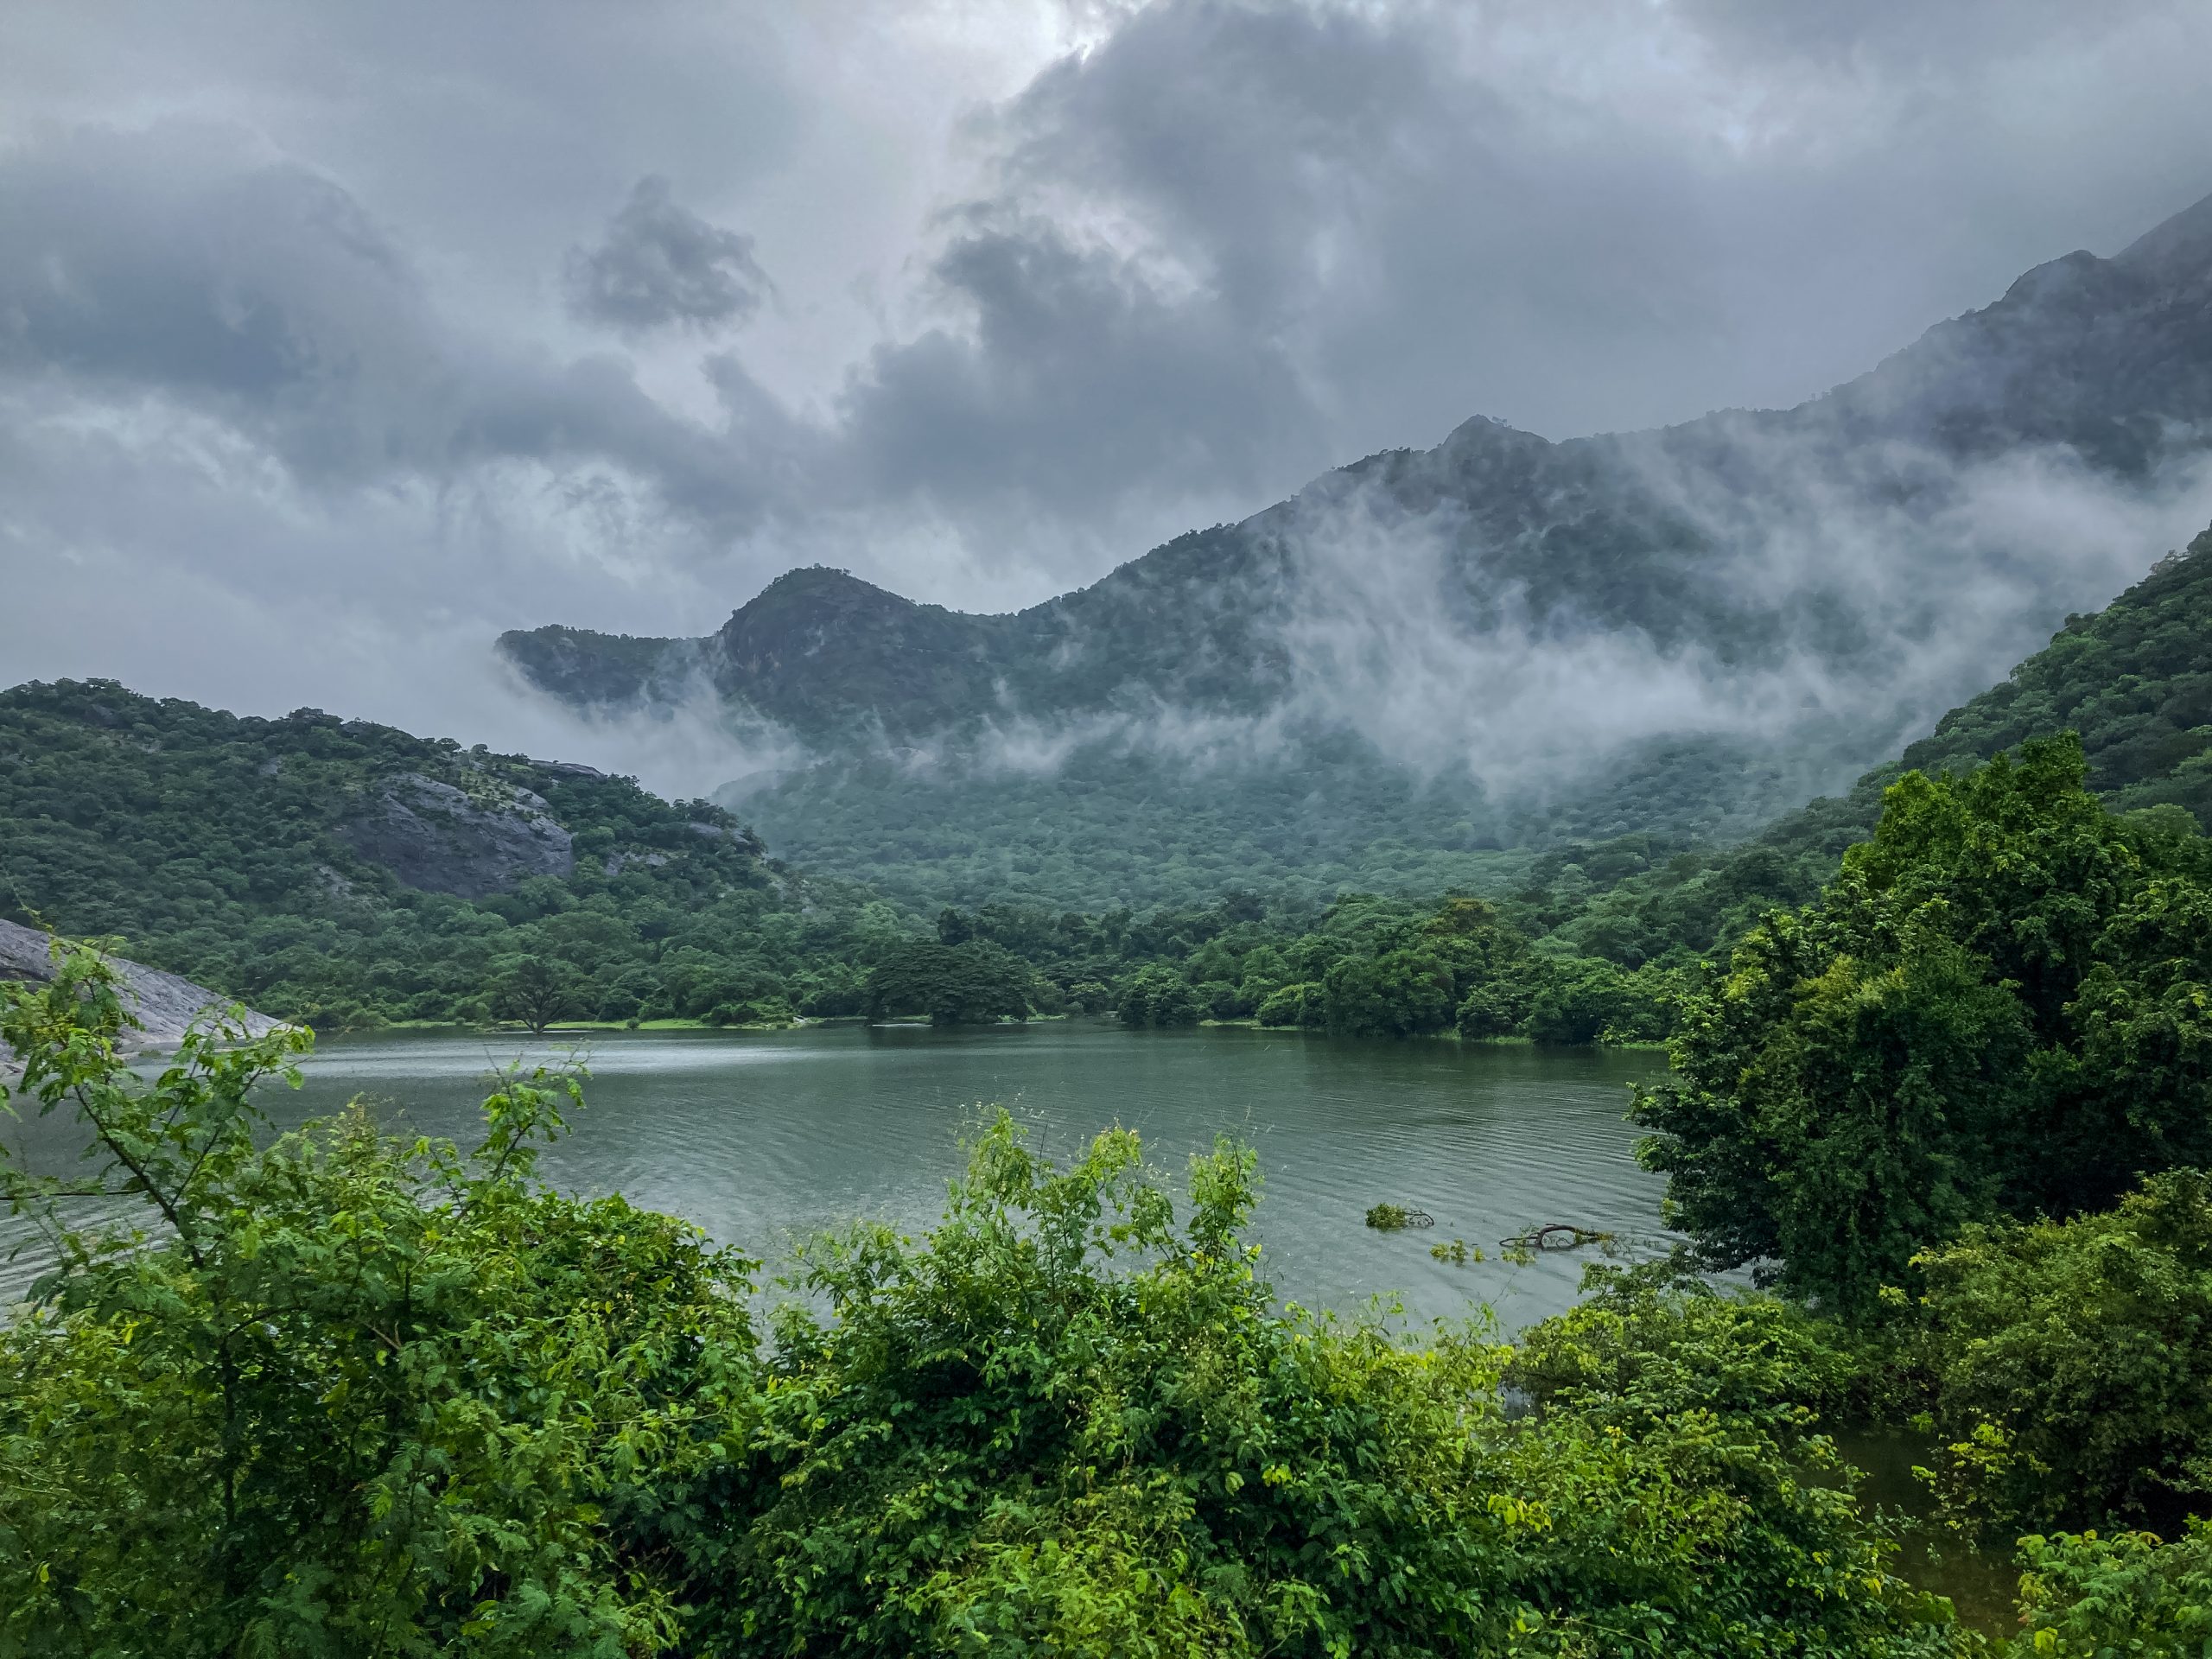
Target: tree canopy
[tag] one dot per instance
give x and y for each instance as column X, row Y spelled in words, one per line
column 2001, row 1007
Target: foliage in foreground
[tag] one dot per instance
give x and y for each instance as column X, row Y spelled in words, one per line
column 339, row 1394
column 2126, row 1595
column 2069, row 1362
column 1064, row 1423
column 2001, row 1008
column 336, row 1394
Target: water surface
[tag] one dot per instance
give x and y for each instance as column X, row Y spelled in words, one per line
column 760, row 1137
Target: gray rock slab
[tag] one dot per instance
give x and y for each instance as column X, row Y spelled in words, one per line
column 167, row 1004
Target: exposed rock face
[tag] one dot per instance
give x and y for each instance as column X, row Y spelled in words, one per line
column 166, row 1005
column 432, row 837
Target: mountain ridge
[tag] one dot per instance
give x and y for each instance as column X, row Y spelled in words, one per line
column 1514, row 620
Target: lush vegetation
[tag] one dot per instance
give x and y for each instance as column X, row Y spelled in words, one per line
column 1959, row 1109
column 335, row 1393
column 338, row 1394
column 1947, row 1093
column 232, row 850
column 2001, row 1008
column 332, row 1392
column 2067, row 1362
column 1109, row 826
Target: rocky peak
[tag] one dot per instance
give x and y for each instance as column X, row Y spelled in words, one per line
column 823, row 652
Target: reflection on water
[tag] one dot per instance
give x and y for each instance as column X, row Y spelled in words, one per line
column 760, row 1137
column 1981, row 1583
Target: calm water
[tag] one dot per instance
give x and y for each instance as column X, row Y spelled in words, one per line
column 761, row 1137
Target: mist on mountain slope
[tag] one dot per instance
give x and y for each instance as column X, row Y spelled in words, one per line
column 1845, row 618
column 1683, row 631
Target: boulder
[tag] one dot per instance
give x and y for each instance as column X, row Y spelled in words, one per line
column 166, row 1005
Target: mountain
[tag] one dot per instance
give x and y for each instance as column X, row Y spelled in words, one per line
column 1500, row 642
column 348, row 873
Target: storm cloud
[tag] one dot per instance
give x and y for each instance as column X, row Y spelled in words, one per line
column 333, row 341
column 660, row 265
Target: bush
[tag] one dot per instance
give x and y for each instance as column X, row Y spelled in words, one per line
column 338, row 1394
column 1062, row 1423
column 2071, row 1361
column 1650, row 1342
column 2085, row 1597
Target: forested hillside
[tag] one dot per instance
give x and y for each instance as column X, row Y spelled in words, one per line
column 349, row 874
column 2134, row 680
column 337, row 870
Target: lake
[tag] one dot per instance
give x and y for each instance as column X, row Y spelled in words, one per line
column 762, row 1137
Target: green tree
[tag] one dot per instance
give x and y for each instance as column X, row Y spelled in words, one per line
column 1159, row 996
column 2084, row 1596
column 538, row 991
column 1403, row 993
column 1293, row 1005
column 973, row 983
column 2070, row 1360
column 1997, row 1008
column 332, row 1393
column 1577, row 1002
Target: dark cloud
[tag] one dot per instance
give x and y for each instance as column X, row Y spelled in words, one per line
column 342, row 334
column 174, row 265
column 660, row 265
column 1076, row 375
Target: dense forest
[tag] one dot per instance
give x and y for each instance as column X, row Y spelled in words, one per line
column 260, row 856
column 337, row 872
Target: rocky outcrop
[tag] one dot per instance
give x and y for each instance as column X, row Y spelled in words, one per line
column 166, row 1005
column 435, row 836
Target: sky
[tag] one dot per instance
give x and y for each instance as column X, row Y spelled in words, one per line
column 336, row 339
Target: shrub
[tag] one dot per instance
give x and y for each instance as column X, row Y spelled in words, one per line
column 1064, row 1423
column 2070, row 1360
column 336, row 1392
column 2085, row 1597
column 1293, row 1005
